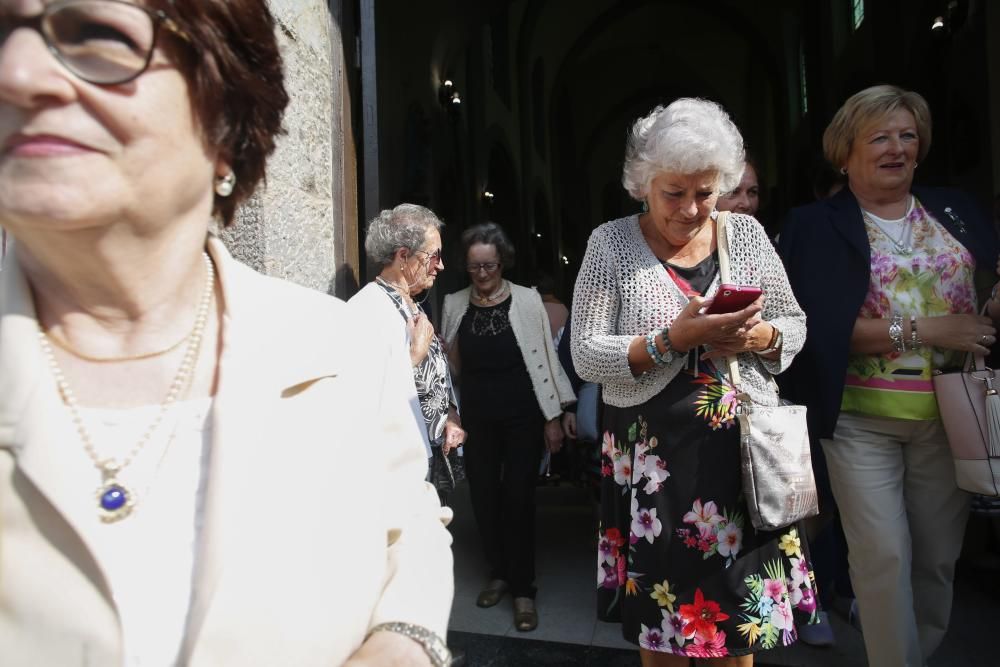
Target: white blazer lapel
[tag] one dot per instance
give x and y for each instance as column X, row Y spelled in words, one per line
column 33, row 421
column 250, row 391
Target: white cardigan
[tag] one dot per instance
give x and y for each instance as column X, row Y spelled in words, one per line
column 530, row 324
column 623, row 291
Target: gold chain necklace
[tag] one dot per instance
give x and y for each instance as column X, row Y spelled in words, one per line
column 64, row 345
column 496, row 296
column 115, row 500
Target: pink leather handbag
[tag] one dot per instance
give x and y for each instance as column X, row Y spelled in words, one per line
column 970, row 410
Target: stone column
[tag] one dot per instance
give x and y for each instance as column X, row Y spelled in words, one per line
column 302, row 224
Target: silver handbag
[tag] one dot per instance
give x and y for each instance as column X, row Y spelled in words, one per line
column 778, row 481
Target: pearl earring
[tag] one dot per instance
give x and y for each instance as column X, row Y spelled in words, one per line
column 224, row 184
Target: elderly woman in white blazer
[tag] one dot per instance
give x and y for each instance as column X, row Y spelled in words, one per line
column 513, row 391
column 199, row 465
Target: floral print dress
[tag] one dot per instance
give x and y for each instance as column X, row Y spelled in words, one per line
column 679, row 563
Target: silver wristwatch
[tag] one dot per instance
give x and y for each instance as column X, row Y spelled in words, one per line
column 433, row 645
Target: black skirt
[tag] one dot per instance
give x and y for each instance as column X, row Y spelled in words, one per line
column 679, row 563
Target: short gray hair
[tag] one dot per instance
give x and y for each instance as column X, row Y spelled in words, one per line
column 688, row 136
column 404, row 226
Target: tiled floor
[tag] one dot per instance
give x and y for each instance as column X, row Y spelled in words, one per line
column 566, row 602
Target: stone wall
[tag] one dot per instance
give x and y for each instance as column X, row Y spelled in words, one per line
column 295, row 225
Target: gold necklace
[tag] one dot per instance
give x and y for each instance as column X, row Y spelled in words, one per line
column 64, row 345
column 115, row 500
column 496, row 296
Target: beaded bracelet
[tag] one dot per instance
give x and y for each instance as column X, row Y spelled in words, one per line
column 653, row 350
column 668, row 351
column 654, row 354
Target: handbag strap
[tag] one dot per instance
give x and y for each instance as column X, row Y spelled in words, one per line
column 722, row 245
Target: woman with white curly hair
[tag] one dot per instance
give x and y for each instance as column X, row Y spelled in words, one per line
column 679, row 563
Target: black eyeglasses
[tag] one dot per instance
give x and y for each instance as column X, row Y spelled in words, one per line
column 105, row 42
column 433, row 257
column 489, row 267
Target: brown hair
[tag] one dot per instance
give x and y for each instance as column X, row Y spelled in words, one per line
column 869, row 105
column 236, row 83
column 489, row 233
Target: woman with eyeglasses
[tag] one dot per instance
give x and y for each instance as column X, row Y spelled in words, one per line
column 406, row 242
column 199, row 465
column 513, row 392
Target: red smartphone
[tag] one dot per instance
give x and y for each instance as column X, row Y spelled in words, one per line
column 731, row 298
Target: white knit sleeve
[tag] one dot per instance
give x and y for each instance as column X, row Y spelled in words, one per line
column 781, row 309
column 599, row 353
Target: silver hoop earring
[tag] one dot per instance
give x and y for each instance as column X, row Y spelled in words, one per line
column 843, row 171
column 224, row 185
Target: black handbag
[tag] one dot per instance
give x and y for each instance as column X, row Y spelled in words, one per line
column 446, row 471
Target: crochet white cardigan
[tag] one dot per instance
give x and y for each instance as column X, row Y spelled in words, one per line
column 530, row 324
column 623, row 291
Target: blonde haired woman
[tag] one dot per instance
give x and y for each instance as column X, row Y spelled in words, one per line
column 902, row 262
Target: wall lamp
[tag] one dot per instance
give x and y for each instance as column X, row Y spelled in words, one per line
column 449, row 95
column 946, row 23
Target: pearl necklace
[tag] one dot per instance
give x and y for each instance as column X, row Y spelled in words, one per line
column 115, row 500
column 496, row 296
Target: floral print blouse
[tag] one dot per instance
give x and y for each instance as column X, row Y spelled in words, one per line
column 934, row 278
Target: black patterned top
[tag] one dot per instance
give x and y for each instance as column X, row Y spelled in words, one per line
column 431, row 376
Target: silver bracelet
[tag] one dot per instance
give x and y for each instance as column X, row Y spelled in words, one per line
column 896, row 333
column 433, row 645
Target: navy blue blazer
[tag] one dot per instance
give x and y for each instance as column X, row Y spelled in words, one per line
column 828, row 260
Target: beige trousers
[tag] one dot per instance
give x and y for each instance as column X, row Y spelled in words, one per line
column 904, row 519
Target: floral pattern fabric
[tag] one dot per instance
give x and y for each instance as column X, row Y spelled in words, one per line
column 678, row 562
column 935, row 278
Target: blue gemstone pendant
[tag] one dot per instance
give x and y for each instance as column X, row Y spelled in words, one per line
column 115, row 500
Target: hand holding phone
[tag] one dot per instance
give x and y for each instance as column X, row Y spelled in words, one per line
column 731, row 298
